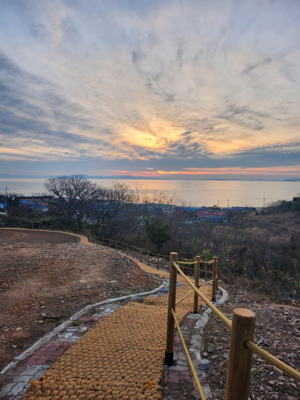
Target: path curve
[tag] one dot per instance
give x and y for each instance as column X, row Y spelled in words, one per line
column 122, row 357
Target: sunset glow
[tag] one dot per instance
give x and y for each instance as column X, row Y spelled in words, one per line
column 178, row 89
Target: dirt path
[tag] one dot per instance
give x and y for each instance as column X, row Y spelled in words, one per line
column 11, row 236
column 121, row 357
column 45, row 277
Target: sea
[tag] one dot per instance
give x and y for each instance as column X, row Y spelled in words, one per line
column 191, row 193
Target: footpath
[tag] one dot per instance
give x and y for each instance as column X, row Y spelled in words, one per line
column 111, row 350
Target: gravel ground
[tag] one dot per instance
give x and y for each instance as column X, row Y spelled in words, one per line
column 277, row 331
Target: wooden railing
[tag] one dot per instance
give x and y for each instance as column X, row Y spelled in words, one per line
column 242, row 329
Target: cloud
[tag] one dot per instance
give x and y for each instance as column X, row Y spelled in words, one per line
column 187, row 84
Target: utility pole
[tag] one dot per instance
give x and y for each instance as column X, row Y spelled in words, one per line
column 6, row 199
column 193, row 226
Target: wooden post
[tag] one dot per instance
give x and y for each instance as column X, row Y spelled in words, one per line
column 148, row 257
column 205, row 270
column 158, row 261
column 171, row 304
column 214, row 281
column 197, row 276
column 217, row 273
column 240, row 358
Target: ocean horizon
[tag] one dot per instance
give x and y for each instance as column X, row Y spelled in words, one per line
column 193, row 193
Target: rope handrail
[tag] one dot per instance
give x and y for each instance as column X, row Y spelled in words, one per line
column 273, row 360
column 184, row 297
column 187, row 262
column 222, row 317
column 202, row 397
column 207, row 283
column 264, row 354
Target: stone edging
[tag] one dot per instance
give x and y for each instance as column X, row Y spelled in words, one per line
column 60, row 327
column 195, row 347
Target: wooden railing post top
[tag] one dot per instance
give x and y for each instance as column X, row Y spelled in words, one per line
column 198, row 258
column 244, row 313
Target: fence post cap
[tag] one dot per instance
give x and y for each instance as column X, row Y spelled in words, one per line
column 243, row 312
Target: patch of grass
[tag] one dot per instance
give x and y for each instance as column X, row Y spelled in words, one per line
column 255, row 372
column 76, row 323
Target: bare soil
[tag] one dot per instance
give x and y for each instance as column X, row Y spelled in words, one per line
column 46, row 277
column 277, row 331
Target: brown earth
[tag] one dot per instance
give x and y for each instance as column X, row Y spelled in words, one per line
column 277, row 331
column 46, row 277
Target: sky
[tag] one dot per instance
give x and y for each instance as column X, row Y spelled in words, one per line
column 165, row 89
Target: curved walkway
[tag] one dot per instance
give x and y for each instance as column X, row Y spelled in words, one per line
column 121, row 357
column 83, row 239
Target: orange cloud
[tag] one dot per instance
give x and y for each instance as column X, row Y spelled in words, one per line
column 135, row 173
column 291, row 170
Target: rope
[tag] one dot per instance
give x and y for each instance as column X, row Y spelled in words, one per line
column 273, row 360
column 222, row 317
column 184, row 297
column 250, row 345
column 206, row 283
column 202, row 397
column 187, row 262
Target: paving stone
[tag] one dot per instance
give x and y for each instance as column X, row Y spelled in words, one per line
column 186, row 375
column 195, row 343
column 39, row 374
column 73, row 329
column 197, row 337
column 51, row 352
column 32, row 370
column 182, row 363
column 178, row 368
column 204, row 364
column 6, row 389
column 173, row 377
column 22, row 378
column 193, row 316
column 18, row 389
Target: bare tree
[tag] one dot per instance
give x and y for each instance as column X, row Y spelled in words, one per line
column 75, row 196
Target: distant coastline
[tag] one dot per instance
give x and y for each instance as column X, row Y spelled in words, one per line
column 20, row 176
